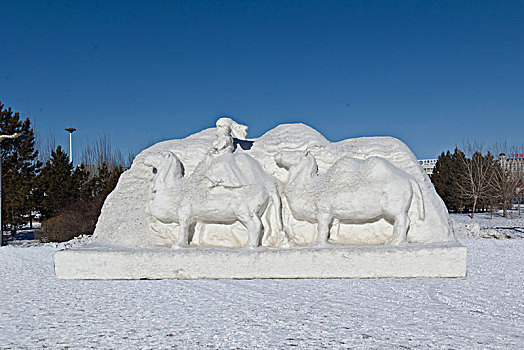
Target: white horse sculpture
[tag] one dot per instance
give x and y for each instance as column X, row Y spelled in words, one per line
column 175, row 198
column 352, row 191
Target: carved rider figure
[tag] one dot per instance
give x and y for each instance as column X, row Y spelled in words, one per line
column 224, row 141
column 225, row 171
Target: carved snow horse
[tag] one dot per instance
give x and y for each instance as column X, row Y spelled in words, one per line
column 175, row 198
column 352, row 190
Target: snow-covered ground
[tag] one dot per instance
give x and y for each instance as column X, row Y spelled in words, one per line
column 485, row 225
column 483, row 311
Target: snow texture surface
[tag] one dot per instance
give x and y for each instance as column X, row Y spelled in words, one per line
column 483, row 311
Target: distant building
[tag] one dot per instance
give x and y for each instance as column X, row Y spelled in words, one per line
column 428, row 165
column 513, row 162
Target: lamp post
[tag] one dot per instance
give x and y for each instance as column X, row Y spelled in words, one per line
column 2, row 139
column 71, row 131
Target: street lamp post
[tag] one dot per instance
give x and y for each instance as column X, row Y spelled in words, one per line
column 71, row 131
column 2, row 139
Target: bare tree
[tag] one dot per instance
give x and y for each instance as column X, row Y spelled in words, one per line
column 45, row 143
column 520, row 195
column 130, row 158
column 506, row 177
column 475, row 178
column 101, row 152
column 504, row 183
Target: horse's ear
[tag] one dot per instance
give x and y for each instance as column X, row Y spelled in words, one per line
column 307, row 152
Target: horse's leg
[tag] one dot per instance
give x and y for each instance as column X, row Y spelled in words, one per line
column 254, row 229
column 277, row 204
column 400, row 229
column 183, row 234
column 324, row 220
column 200, row 236
column 191, row 232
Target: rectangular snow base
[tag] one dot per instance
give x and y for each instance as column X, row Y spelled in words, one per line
column 106, row 262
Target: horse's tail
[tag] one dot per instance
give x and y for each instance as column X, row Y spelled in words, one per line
column 417, row 198
column 267, row 224
column 272, row 218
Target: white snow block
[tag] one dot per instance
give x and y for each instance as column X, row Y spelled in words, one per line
column 99, row 261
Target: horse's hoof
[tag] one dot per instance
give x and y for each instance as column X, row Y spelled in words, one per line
column 288, row 245
column 397, row 242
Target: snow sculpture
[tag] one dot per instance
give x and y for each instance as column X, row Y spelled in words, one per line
column 218, row 189
column 352, row 190
column 306, row 208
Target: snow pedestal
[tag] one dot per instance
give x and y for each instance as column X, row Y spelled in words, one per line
column 100, row 261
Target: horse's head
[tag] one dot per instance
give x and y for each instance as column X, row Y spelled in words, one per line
column 301, row 162
column 167, row 161
column 287, row 159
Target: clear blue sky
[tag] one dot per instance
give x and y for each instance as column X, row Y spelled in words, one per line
column 432, row 73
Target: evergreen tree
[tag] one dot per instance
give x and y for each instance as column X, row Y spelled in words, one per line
column 442, row 178
column 445, row 179
column 105, row 180
column 458, row 202
column 57, row 185
column 81, row 183
column 20, row 168
column 79, row 215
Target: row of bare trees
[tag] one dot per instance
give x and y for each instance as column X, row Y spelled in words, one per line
column 92, row 153
column 473, row 178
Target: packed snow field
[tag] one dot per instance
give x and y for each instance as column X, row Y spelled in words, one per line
column 485, row 310
column 485, row 225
